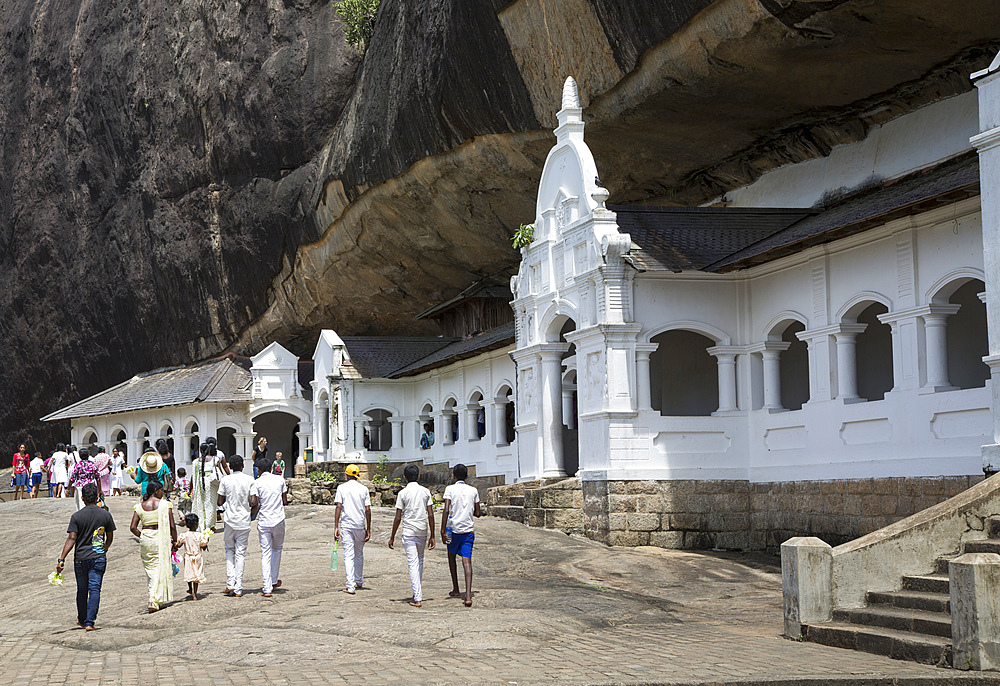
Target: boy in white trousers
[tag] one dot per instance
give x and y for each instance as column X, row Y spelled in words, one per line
column 414, row 509
column 269, row 495
column 352, row 526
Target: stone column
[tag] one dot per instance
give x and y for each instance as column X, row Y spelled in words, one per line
column 397, row 433
column 568, row 416
column 770, row 352
column 359, row 433
column 471, row 422
column 806, row 582
column 551, row 409
column 725, row 356
column 847, row 361
column 642, row 352
column 974, row 579
column 447, row 433
column 500, row 422
column 987, row 143
column 936, row 338
column 243, row 442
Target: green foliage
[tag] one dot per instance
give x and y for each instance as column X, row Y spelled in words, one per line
column 359, row 20
column 381, row 475
column 321, row 476
column 523, row 236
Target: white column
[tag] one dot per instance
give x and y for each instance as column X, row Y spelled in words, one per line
column 446, row 433
column 642, row 352
column 551, row 407
column 324, row 430
column 397, row 433
column 359, row 433
column 499, row 427
column 847, row 361
column 471, row 422
column 725, row 356
column 987, row 143
column 241, row 446
column 568, row 416
column 936, row 346
column 772, row 379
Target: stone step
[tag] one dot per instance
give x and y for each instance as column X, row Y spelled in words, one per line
column 513, row 513
column 915, row 600
column 899, row 619
column 993, row 528
column 568, row 520
column 931, row 583
column 900, row 645
column 988, row 545
column 941, row 565
column 516, row 500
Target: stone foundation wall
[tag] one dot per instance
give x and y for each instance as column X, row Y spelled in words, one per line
column 754, row 516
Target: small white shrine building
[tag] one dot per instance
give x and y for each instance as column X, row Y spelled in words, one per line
column 234, row 399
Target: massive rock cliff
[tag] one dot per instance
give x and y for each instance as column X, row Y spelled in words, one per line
column 182, row 178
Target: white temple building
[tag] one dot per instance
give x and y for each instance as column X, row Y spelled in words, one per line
column 232, row 399
column 825, row 331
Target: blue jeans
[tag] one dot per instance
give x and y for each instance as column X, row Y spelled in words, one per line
column 89, row 575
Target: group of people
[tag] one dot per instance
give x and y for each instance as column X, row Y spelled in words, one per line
column 216, row 483
column 67, row 469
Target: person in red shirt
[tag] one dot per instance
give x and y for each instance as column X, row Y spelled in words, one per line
column 21, row 461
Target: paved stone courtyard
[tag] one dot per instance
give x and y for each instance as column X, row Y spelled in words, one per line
column 549, row 609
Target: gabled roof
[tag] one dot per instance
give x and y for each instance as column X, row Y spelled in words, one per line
column 213, row 381
column 493, row 339
column 686, row 238
column 719, row 239
column 376, row 357
column 494, row 286
column 920, row 191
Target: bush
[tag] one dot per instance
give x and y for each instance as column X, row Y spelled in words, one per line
column 321, row 476
column 523, row 236
column 358, row 17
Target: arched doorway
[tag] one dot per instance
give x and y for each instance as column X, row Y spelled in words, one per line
column 281, row 429
column 226, row 441
column 560, row 445
column 967, row 337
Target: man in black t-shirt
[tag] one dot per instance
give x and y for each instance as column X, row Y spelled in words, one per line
column 91, row 531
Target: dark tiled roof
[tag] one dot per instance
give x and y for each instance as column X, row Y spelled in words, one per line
column 947, row 182
column 459, row 350
column 494, row 286
column 217, row 381
column 376, row 357
column 686, row 238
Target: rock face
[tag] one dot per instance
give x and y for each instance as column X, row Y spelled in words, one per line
column 182, row 178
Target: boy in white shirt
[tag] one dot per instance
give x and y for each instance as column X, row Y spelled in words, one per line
column 415, row 510
column 268, row 496
column 354, row 503
column 234, row 497
column 461, row 503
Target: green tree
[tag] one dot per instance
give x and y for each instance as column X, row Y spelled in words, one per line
column 358, row 17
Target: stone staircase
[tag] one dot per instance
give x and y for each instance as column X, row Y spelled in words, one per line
column 555, row 503
column 913, row 623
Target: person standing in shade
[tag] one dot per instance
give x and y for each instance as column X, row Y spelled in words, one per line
column 91, row 532
column 461, row 503
column 234, row 498
column 269, row 495
column 415, row 510
column 352, row 526
column 260, row 455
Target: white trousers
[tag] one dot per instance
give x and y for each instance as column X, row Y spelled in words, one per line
column 272, row 539
column 236, row 552
column 352, row 542
column 414, row 546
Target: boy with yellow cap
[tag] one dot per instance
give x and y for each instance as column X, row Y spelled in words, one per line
column 352, row 525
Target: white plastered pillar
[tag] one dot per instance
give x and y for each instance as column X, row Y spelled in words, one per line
column 642, row 353
column 770, row 353
column 725, row 356
column 551, row 407
column 397, row 433
column 472, row 422
column 987, row 143
column 847, row 361
column 499, row 422
column 936, row 346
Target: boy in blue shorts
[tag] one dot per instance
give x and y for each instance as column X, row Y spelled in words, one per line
column 461, row 504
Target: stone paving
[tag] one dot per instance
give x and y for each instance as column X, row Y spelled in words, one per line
column 549, row 609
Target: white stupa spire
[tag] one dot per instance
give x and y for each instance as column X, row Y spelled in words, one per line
column 570, row 95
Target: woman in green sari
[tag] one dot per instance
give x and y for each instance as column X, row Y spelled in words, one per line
column 153, row 523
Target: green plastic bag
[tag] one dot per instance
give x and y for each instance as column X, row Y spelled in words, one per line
column 333, row 557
